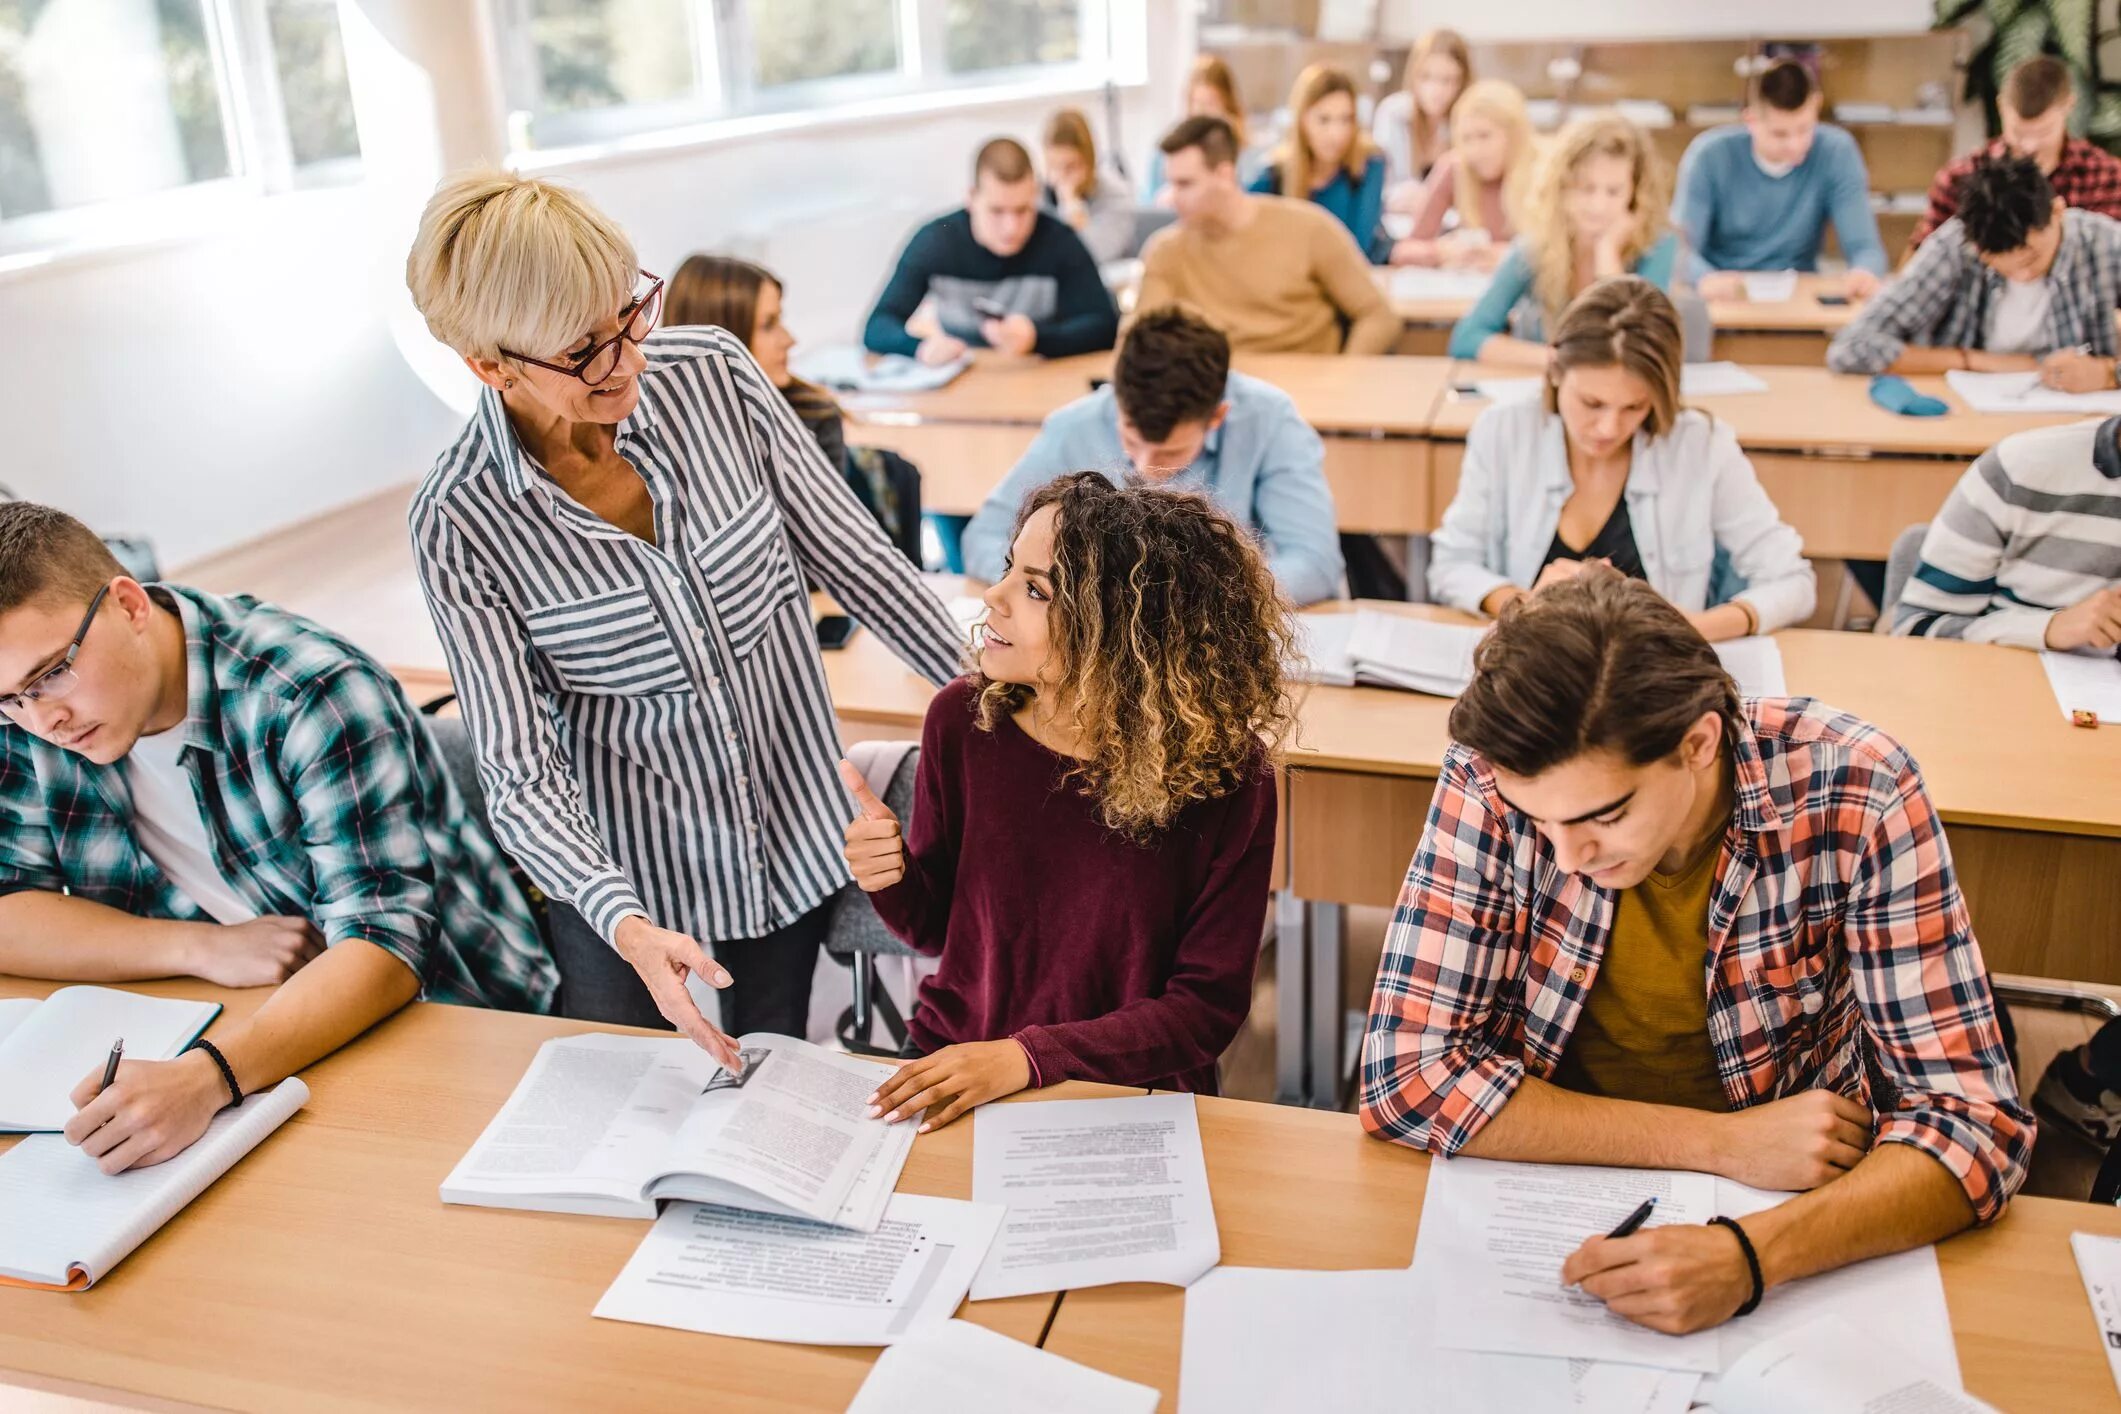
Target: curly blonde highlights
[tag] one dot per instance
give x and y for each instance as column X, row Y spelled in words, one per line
column 1547, row 229
column 1170, row 634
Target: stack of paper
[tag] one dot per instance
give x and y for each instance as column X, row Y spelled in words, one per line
column 853, row 370
column 2024, row 392
column 2085, row 682
column 955, row 1367
column 1412, row 283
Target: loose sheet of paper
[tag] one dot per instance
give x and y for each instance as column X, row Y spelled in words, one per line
column 1097, row 1191
column 1836, row 1366
column 1413, row 282
column 955, row 1367
column 2024, row 392
column 2099, row 1263
column 2083, row 682
column 722, row 1271
column 1755, row 663
column 1696, row 380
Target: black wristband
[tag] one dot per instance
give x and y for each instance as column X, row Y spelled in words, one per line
column 235, row 1091
column 1752, row 1264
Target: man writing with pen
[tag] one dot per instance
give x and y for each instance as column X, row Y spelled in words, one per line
column 1650, row 924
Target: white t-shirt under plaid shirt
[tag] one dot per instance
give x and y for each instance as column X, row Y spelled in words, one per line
column 654, row 731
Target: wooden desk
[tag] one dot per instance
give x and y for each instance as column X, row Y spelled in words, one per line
column 1849, row 475
column 324, row 1272
column 1372, row 411
column 1294, row 1189
column 1794, row 331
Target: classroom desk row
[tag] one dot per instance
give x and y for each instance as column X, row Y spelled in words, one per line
column 1794, row 331
column 324, row 1272
column 2031, row 805
column 1846, row 473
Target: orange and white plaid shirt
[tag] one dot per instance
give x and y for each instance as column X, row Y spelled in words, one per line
column 1840, row 956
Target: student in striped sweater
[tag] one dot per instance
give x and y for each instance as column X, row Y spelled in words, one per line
column 2027, row 551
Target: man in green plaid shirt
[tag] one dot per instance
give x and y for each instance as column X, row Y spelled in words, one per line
column 193, row 785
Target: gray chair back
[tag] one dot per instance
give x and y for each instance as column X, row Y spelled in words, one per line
column 854, row 926
column 453, row 739
column 1899, row 567
column 1695, row 327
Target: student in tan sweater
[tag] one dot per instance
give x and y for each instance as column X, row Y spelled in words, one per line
column 1277, row 275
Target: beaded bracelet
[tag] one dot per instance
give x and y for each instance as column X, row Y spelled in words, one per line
column 235, row 1091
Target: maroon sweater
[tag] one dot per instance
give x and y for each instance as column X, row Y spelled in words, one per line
column 1108, row 959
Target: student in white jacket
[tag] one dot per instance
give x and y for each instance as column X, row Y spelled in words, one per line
column 1606, row 465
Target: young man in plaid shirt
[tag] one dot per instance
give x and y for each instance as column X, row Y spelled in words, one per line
column 1652, row 925
column 208, row 787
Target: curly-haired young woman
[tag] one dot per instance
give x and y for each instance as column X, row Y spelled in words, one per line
column 1093, row 821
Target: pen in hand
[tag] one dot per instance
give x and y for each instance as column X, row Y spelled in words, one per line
column 1634, row 1220
column 110, row 1067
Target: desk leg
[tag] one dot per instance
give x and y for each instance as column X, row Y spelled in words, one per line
column 1292, row 946
column 1328, row 942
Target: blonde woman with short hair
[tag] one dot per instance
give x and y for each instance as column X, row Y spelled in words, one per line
column 1599, row 208
column 1328, row 159
column 1607, row 467
column 1477, row 192
column 614, row 551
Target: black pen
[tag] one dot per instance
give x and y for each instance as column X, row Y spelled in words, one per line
column 110, row 1067
column 1635, row 1219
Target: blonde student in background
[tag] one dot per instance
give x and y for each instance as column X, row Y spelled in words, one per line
column 1600, row 208
column 1606, row 466
column 1092, row 200
column 1413, row 126
column 1328, row 159
column 1093, row 821
column 1473, row 198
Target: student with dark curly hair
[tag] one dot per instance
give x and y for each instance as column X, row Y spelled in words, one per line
column 1093, row 821
column 2016, row 281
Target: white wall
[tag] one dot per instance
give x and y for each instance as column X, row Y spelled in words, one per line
column 210, row 390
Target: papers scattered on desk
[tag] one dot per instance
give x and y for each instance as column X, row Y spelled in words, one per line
column 1275, row 1341
column 1097, row 1191
column 2024, row 392
column 1755, row 664
column 1832, row 1366
column 64, row 1223
column 2099, row 1263
column 720, row 1271
column 1496, row 1234
column 849, row 369
column 1376, row 649
column 1696, row 380
column 2085, row 682
column 955, row 1367
column 1410, row 283
column 607, row 1125
column 1771, row 286
column 47, row 1046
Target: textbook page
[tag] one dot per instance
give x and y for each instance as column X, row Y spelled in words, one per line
column 1755, row 664
column 1097, row 1191
column 955, row 1367
column 1496, row 1234
column 2084, row 682
column 68, row 1035
column 1321, row 648
column 2024, row 392
column 61, row 1215
column 2099, row 1263
column 1835, row 1366
column 586, row 1127
column 764, row 1277
column 1418, row 655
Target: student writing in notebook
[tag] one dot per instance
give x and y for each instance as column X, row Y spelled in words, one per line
column 202, row 786
column 1606, row 466
column 1650, row 924
column 1598, row 210
column 1093, row 820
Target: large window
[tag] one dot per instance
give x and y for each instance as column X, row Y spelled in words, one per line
column 107, row 101
column 589, row 70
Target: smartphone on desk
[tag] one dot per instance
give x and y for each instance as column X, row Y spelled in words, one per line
column 833, row 631
column 1832, row 301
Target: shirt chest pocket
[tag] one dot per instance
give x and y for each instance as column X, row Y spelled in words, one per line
column 609, row 645
column 749, row 573
column 1803, row 1005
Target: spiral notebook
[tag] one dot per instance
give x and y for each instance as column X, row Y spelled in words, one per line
column 64, row 1223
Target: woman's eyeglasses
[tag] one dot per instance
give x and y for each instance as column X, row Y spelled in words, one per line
column 636, row 322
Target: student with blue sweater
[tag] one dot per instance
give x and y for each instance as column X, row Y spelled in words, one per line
column 1328, row 158
column 1755, row 196
column 1599, row 210
column 1000, row 274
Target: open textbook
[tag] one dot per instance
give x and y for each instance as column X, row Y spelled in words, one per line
column 1377, row 648
column 64, row 1223
column 608, row 1125
column 46, row 1047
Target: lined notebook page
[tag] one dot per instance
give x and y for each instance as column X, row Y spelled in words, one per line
column 58, row 1211
column 69, row 1034
column 14, row 1012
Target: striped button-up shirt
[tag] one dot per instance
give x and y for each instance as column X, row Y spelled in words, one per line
column 1945, row 295
column 323, row 798
column 653, row 727
column 1839, row 958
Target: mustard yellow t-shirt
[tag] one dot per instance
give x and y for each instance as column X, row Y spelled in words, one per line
column 1644, row 1030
